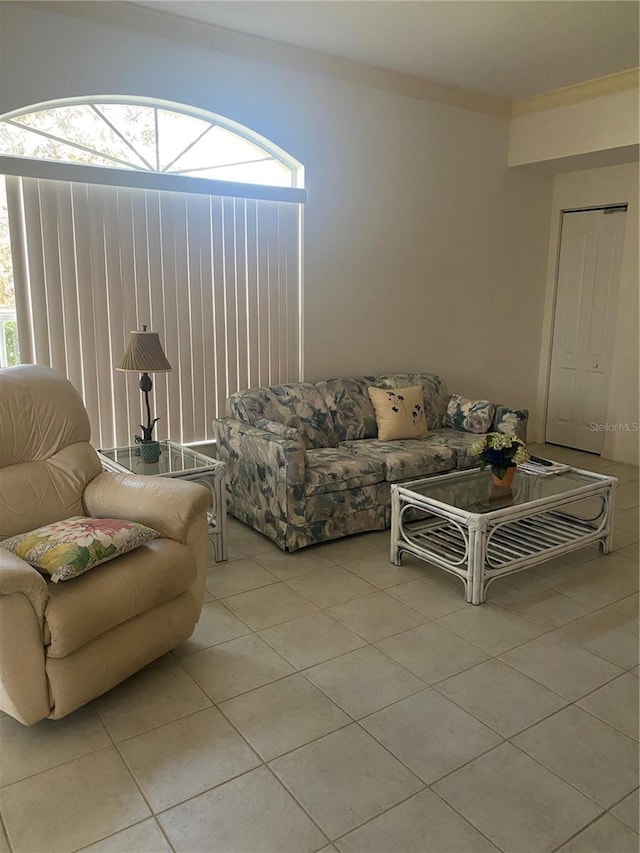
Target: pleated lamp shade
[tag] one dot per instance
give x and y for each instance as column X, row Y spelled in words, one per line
column 145, row 354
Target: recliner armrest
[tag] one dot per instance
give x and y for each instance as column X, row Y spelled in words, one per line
column 166, row 504
column 23, row 681
column 17, row 576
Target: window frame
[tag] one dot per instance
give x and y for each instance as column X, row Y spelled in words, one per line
column 147, row 179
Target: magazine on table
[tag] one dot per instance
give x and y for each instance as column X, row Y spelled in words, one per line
column 542, row 467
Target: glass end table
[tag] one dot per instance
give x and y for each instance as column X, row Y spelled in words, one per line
column 177, row 460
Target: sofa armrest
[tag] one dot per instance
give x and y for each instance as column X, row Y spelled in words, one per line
column 278, row 429
column 466, row 415
column 264, row 473
column 164, row 503
column 276, row 455
column 510, row 421
column 23, row 681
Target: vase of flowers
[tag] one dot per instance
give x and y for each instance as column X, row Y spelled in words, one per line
column 502, row 453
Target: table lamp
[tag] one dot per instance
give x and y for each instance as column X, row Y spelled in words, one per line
column 145, row 355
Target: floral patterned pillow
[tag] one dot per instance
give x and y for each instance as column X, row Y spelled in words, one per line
column 68, row 548
column 399, row 412
column 469, row 415
column 511, row 421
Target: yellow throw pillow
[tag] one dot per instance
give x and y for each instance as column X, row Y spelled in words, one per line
column 399, row 412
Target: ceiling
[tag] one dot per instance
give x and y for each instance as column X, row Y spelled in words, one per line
column 506, row 48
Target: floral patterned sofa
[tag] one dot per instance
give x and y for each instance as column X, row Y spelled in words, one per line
column 304, row 463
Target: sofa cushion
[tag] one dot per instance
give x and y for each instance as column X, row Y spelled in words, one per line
column 399, row 412
column 298, row 405
column 332, row 470
column 405, row 459
column 469, row 415
column 351, row 409
column 80, row 611
column 460, row 443
column 352, row 412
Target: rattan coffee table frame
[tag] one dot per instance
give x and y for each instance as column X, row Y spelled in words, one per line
column 479, row 548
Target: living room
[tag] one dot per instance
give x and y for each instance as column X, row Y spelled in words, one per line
column 431, row 238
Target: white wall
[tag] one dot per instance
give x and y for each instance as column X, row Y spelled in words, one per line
column 591, row 188
column 422, row 249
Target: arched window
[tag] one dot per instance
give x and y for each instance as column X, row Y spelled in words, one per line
column 133, row 134
column 119, row 213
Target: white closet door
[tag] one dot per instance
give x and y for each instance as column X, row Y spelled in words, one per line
column 584, row 326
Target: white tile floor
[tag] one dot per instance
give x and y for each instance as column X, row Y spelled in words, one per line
column 331, row 701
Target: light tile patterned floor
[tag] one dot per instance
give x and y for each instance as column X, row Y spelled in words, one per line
column 329, row 701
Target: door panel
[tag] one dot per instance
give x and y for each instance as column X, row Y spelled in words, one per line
column 604, row 270
column 594, row 401
column 593, row 387
column 566, row 395
column 562, row 399
column 584, row 326
column 567, row 328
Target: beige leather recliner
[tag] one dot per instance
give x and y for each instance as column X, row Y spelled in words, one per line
column 63, row 644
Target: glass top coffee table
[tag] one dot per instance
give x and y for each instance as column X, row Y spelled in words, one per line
column 465, row 525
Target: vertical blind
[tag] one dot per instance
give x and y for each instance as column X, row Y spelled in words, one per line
column 217, row 277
